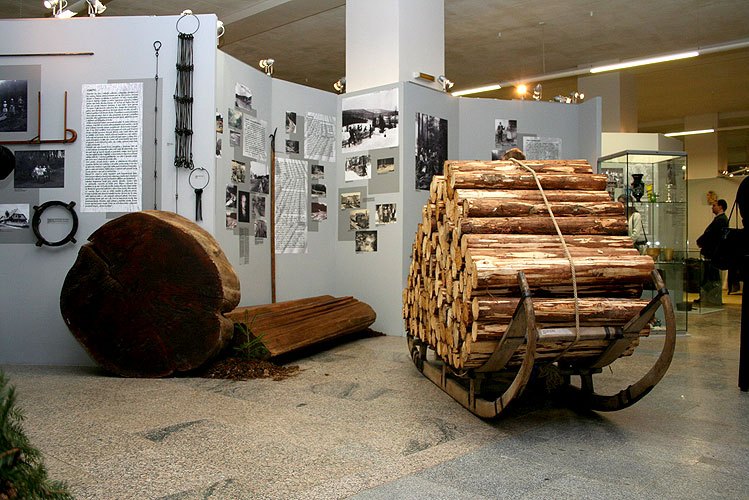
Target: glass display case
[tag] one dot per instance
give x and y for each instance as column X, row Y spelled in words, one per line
column 653, row 186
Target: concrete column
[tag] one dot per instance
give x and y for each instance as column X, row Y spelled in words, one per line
column 706, row 157
column 618, row 91
column 387, row 41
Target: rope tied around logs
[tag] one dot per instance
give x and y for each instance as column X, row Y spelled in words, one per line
column 566, row 252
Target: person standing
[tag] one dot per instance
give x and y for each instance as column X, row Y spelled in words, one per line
column 742, row 200
column 711, row 285
column 635, row 227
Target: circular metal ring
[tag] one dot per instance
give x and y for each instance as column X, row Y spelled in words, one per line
column 185, row 14
column 37, row 218
column 192, row 178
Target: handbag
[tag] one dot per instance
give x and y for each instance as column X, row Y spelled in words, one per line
column 731, row 246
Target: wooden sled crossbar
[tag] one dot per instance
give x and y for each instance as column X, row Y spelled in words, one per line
column 466, row 387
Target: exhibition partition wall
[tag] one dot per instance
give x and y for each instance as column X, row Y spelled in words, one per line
column 117, row 49
column 352, row 171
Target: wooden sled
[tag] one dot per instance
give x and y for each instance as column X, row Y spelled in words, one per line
column 487, row 390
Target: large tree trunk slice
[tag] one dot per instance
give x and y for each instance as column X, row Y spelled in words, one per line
column 147, row 295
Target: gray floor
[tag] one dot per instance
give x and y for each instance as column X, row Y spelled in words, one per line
column 360, row 422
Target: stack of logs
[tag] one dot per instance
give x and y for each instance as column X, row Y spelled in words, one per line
column 484, row 222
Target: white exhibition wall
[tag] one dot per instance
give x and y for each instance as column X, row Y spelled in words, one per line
column 31, row 327
column 32, row 330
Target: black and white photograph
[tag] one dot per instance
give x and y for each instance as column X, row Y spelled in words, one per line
column 317, row 171
column 350, row 200
column 505, row 137
column 292, row 146
column 319, row 211
column 258, row 205
column 366, row 241
column 231, row 219
column 385, row 165
column 244, row 206
column 14, row 216
column 238, row 172
column 235, row 118
column 290, row 122
column 259, row 178
column 219, row 123
column 261, row 229
column 358, row 168
column 14, row 112
column 219, row 146
column 358, row 219
column 235, row 138
column 431, row 148
column 39, row 169
column 370, row 121
column 318, row 190
column 242, row 97
column 385, row 214
column 231, row 196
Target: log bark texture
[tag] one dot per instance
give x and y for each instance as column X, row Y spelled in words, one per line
column 485, row 222
column 147, row 296
column 286, row 326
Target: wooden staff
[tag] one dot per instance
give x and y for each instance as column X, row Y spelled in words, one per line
column 272, row 189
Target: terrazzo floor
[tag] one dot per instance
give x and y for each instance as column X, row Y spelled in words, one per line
column 360, row 422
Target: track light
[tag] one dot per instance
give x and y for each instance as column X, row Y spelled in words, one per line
column 340, row 85
column 95, row 8
column 537, row 92
column 56, row 6
column 267, row 65
column 521, row 89
column 445, row 83
column 220, row 30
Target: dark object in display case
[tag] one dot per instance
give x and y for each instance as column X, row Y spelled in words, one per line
column 638, row 188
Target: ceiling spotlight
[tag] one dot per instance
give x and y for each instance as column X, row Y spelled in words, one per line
column 577, row 96
column 267, row 65
column 220, row 30
column 95, row 8
column 537, row 92
column 521, row 90
column 340, row 85
column 56, row 6
column 445, row 83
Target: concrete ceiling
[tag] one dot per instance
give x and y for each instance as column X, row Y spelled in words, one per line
column 488, row 41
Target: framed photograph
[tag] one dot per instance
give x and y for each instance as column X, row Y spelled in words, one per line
column 350, row 200
column 39, row 169
column 358, row 219
column 366, row 241
column 244, row 206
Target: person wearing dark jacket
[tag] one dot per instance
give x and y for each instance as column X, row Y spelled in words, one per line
column 709, row 239
column 711, row 285
column 742, row 201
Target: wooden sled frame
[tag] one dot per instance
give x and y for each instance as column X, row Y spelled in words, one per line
column 522, row 330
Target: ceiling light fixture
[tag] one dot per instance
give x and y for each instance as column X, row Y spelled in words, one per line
column 537, row 92
column 95, row 8
column 477, row 90
column 521, row 89
column 56, row 6
column 643, row 62
column 267, row 65
column 691, row 132
column 710, row 49
column 340, row 85
column 444, row 83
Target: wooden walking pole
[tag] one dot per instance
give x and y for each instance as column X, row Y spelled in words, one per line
column 272, row 190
